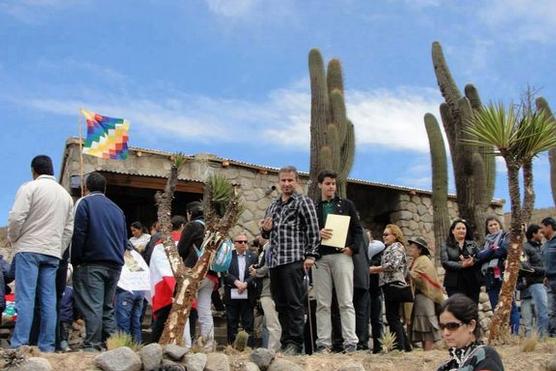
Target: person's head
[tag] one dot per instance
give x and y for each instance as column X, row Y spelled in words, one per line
column 459, row 321
column 96, row 182
column 417, row 247
column 392, row 233
column 136, row 229
column 241, row 243
column 327, row 184
column 288, row 178
column 493, row 225
column 41, row 165
column 178, row 222
column 548, row 227
column 533, row 233
column 155, row 227
column 194, row 210
column 459, row 231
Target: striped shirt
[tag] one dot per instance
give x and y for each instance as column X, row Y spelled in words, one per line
column 295, row 230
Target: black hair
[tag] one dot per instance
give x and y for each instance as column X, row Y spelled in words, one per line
column 195, row 208
column 549, row 221
column 96, row 182
column 531, row 230
column 289, row 169
column 464, row 309
column 177, row 222
column 490, row 218
column 450, row 239
column 42, row 165
column 326, row 173
column 137, row 225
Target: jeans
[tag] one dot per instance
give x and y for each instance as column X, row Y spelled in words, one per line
column 493, row 293
column 289, row 293
column 129, row 306
column 35, row 274
column 94, row 289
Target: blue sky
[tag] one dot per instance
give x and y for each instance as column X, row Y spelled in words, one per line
column 230, row 77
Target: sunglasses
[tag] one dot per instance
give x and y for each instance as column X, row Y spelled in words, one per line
column 241, row 241
column 386, row 234
column 450, row 326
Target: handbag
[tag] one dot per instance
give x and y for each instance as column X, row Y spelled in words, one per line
column 398, row 291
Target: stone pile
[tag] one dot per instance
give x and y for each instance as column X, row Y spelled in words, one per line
column 485, row 312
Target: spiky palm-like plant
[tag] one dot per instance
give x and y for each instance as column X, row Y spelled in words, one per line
column 222, row 209
column 518, row 139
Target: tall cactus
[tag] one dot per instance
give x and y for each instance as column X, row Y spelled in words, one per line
column 542, row 105
column 439, row 163
column 474, row 167
column 332, row 133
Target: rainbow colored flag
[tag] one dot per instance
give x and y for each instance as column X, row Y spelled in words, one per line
column 106, row 136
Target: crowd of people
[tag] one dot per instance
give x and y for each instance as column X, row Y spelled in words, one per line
column 318, row 295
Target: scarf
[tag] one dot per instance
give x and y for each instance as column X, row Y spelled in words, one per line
column 458, row 356
column 492, row 241
column 425, row 279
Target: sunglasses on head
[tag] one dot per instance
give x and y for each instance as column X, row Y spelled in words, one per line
column 450, row 326
column 241, row 241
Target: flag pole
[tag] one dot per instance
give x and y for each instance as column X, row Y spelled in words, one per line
column 80, row 123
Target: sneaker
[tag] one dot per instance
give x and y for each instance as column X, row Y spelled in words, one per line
column 64, row 346
column 291, row 350
column 323, row 349
column 350, row 348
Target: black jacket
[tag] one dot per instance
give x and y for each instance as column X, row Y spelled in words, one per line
column 343, row 206
column 533, row 252
column 361, row 264
column 193, row 234
column 456, row 276
column 253, row 284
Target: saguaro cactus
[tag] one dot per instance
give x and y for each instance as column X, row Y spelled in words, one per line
column 332, row 133
column 474, row 167
column 542, row 105
column 439, row 182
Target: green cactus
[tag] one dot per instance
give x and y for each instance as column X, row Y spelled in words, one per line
column 474, row 167
column 240, row 342
column 441, row 219
column 332, row 133
column 542, row 105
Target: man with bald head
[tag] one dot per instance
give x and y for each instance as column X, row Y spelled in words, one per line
column 241, row 289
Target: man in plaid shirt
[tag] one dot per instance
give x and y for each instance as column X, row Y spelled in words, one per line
column 291, row 225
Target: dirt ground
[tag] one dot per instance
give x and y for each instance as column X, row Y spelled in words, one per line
column 513, row 357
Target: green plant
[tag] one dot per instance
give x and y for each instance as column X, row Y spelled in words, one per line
column 121, row 339
column 240, row 342
column 332, row 133
column 542, row 105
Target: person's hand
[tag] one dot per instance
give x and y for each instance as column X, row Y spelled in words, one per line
column 308, row 263
column 347, row 251
column 468, row 262
column 266, row 224
column 252, row 271
column 374, row 270
column 326, row 234
column 238, row 284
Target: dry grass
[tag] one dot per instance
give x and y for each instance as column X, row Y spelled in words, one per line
column 121, row 339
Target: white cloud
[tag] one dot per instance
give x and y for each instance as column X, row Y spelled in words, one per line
column 34, row 11
column 521, row 20
column 230, row 8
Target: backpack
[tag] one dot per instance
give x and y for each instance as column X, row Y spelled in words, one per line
column 223, row 256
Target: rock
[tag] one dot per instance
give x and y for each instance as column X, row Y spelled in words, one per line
column 248, row 366
column 262, row 357
column 217, row 362
column 354, row 366
column 195, row 361
column 284, row 365
column 168, row 365
column 174, row 352
column 35, row 364
column 483, row 298
column 119, row 359
column 151, row 355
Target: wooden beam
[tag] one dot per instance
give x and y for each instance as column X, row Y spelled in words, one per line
column 145, row 182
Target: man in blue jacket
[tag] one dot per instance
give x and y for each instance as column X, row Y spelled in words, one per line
column 97, row 254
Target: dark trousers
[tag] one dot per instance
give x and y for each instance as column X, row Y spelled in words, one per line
column 288, row 291
column 375, row 304
column 361, row 306
column 471, row 292
column 239, row 310
column 159, row 319
column 395, row 324
column 94, row 289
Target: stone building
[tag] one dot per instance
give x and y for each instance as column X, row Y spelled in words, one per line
column 132, row 184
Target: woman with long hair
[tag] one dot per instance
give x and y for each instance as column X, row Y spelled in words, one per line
column 459, row 323
column 393, row 269
column 459, row 259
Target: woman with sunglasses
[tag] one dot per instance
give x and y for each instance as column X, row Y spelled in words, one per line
column 459, row 323
column 458, row 257
column 393, row 268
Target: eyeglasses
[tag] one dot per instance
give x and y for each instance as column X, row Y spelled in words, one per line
column 386, row 234
column 450, row 326
column 241, row 241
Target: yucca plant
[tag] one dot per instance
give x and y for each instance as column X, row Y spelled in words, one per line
column 518, row 139
column 388, row 341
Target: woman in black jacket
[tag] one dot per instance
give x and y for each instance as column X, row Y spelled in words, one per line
column 458, row 258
